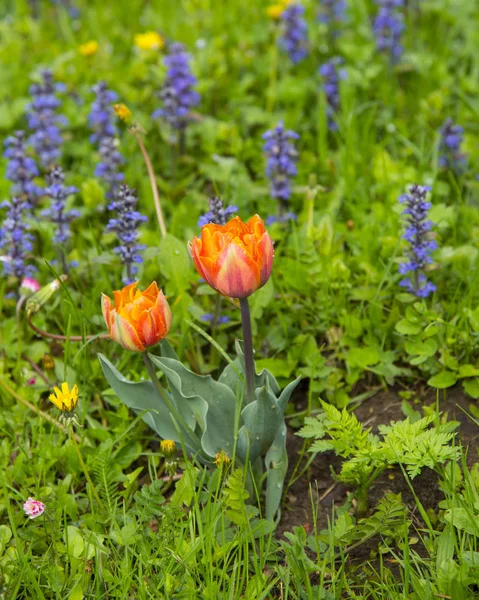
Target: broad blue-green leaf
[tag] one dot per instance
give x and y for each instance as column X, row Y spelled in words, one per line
column 213, row 402
column 167, row 349
column 286, row 393
column 262, row 418
column 143, row 396
column 232, row 379
column 276, row 462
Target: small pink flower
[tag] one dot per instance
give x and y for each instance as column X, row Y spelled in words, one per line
column 31, row 381
column 29, row 286
column 33, row 508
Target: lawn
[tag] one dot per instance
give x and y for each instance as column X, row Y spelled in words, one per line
column 239, row 318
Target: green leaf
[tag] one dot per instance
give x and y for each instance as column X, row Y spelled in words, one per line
column 143, row 396
column 427, row 348
column 262, row 419
column 233, row 375
column 174, row 262
column 276, row 462
column 5, row 537
column 235, row 496
column 468, row 371
column 471, row 387
column 213, row 402
column 405, row 327
column 363, row 357
column 463, row 519
column 185, row 488
column 286, row 393
column 443, row 380
column 74, row 542
column 76, row 592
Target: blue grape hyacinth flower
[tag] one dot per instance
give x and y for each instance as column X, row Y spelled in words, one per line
column 21, row 169
column 218, row 213
column 282, row 157
column 450, row 154
column 331, row 74
column 58, row 192
column 44, row 120
column 15, row 238
column 102, row 120
column 333, row 14
column 388, row 28
column 178, row 94
column 418, row 235
column 294, row 39
column 125, row 224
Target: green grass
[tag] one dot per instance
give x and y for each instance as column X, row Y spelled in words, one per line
column 332, row 312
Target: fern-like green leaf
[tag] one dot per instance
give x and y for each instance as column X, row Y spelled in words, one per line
column 235, row 496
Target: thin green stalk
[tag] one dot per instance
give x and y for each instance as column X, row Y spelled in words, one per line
column 248, row 349
column 154, row 186
column 85, row 470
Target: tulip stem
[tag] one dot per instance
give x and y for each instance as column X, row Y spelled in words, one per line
column 248, row 349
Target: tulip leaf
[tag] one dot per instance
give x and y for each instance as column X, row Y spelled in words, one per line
column 286, row 393
column 143, row 396
column 231, row 378
column 262, row 418
column 216, row 403
column 276, row 462
column 167, row 349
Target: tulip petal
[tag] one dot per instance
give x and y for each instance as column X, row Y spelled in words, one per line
column 265, row 256
column 152, row 291
column 195, row 248
column 106, row 309
column 237, row 275
column 165, row 309
column 123, row 332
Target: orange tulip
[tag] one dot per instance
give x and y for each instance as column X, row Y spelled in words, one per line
column 235, row 259
column 138, row 319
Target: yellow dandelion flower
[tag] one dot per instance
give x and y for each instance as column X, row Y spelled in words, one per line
column 222, row 459
column 150, row 40
column 122, row 112
column 168, row 447
column 275, row 10
column 89, row 48
column 65, row 399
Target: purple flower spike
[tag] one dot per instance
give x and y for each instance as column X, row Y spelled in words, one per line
column 44, row 121
column 102, row 120
column 282, row 157
column 295, row 33
column 331, row 74
column 221, row 319
column 15, row 239
column 177, row 95
column 388, row 28
column 218, row 213
column 450, row 155
column 125, row 225
column 421, row 243
column 333, row 14
column 21, row 169
column 57, row 213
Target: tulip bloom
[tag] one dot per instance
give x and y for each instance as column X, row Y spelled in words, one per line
column 137, row 319
column 235, row 259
